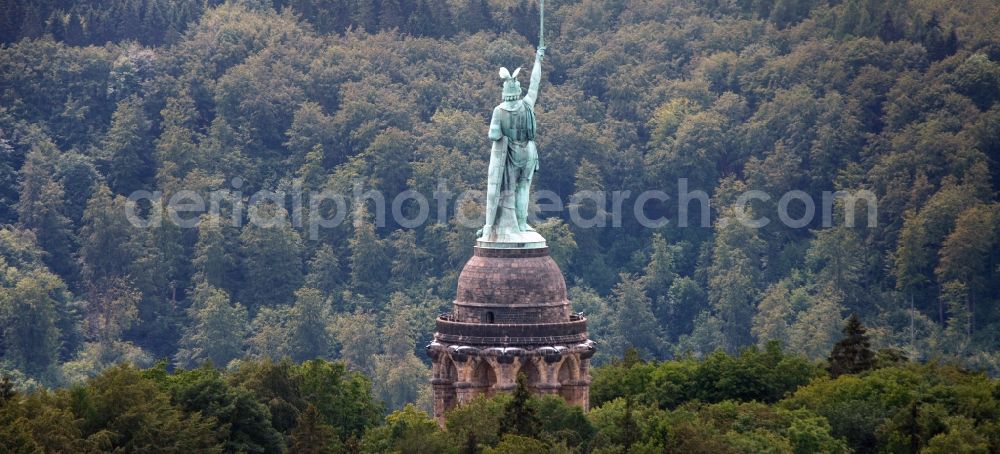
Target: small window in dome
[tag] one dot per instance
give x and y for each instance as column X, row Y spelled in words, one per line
column 489, row 317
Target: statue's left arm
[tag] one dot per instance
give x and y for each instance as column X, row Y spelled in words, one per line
column 495, row 133
column 536, row 78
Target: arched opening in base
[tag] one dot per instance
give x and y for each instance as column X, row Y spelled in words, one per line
column 568, row 377
column 484, row 378
column 445, row 394
column 533, row 374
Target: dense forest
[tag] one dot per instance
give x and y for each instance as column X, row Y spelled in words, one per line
column 101, row 98
column 760, row 401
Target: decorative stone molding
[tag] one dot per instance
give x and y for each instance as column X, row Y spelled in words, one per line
column 511, row 316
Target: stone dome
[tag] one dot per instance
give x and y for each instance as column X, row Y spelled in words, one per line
column 507, row 286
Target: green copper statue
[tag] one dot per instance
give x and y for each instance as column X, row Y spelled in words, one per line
column 513, row 160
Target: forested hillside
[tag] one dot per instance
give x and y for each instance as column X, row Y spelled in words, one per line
column 754, row 402
column 101, row 98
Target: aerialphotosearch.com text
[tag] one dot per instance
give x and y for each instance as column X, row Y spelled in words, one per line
column 655, row 208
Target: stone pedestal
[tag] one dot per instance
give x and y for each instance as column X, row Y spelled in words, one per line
column 511, row 316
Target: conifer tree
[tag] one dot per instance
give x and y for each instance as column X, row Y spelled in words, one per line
column 630, row 430
column 734, row 280
column 853, row 353
column 888, row 31
column 216, row 332
column 32, row 22
column 7, row 392
column 324, row 271
column 519, row 416
column 309, row 326
column 367, row 15
column 313, row 436
column 55, row 26
column 128, row 147
column 633, row 323
column 477, row 16
column 272, row 266
column 368, row 256
column 215, row 263
column 75, row 35
column 958, row 331
column 10, row 20
column 41, row 209
column 659, row 276
column 105, row 250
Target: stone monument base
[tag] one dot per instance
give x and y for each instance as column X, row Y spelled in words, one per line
column 511, row 316
column 512, row 240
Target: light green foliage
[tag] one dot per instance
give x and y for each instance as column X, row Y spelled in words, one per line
column 342, row 397
column 561, row 241
column 38, row 318
column 557, row 426
column 877, row 409
column 260, row 407
column 30, row 316
column 915, row 260
column 776, row 311
column 959, row 437
column 216, row 331
column 765, row 376
column 177, row 145
column 811, row 433
column 722, row 427
column 358, row 338
column 817, row 327
column 401, row 381
column 633, row 321
column 734, row 280
column 243, row 422
column 311, row 130
column 268, row 335
column 408, row 430
column 515, row 444
column 478, row 419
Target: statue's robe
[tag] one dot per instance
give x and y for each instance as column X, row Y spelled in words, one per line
column 513, row 161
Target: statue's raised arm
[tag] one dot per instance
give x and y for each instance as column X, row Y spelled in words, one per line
column 536, row 78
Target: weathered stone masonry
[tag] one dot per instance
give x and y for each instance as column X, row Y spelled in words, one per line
column 511, row 316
